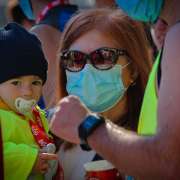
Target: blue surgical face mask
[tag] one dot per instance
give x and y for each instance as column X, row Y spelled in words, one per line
column 98, row 90
column 143, row 10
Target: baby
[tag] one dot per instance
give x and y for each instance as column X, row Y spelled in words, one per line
column 23, row 72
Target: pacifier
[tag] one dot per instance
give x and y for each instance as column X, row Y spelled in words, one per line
column 24, row 106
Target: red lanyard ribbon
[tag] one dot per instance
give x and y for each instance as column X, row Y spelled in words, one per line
column 48, row 7
column 38, row 131
column 42, row 139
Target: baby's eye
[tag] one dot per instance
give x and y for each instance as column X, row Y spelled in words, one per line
column 16, row 82
column 37, row 83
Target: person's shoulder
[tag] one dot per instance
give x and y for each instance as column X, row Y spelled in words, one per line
column 9, row 119
column 4, row 112
column 43, row 29
column 175, row 27
column 171, row 53
column 46, row 33
column 40, row 30
column 173, row 34
column 172, row 42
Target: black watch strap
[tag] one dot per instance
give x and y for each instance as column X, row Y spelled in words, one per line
column 87, row 127
column 85, row 147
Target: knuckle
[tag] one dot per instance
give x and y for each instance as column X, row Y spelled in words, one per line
column 74, row 98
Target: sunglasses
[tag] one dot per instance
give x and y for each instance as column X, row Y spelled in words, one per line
column 102, row 58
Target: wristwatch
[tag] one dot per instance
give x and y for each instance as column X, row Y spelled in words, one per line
column 87, row 127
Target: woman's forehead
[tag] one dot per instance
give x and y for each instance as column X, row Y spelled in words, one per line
column 92, row 40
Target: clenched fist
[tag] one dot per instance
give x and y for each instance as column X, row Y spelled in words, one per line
column 70, row 112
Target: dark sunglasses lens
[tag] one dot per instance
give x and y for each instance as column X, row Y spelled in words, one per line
column 103, row 58
column 73, row 61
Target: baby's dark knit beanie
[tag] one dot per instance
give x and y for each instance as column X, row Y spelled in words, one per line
column 20, row 54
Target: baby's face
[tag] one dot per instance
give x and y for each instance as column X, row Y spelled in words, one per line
column 27, row 87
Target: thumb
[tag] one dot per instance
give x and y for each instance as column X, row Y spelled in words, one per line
column 48, row 156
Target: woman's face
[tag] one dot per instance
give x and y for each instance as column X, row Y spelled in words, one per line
column 88, row 43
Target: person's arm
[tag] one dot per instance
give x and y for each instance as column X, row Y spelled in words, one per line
column 155, row 157
column 145, row 157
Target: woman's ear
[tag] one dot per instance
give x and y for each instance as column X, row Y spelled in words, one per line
column 134, row 73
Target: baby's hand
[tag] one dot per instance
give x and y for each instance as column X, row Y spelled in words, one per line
column 41, row 165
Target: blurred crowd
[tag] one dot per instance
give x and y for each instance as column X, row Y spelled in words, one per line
column 89, row 81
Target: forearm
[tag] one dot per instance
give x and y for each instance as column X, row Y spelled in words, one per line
column 139, row 156
column 145, row 157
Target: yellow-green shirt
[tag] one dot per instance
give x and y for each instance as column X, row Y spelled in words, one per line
column 19, row 146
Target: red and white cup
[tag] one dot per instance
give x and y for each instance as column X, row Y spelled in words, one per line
column 101, row 170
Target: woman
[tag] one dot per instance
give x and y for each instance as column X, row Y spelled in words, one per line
column 104, row 61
